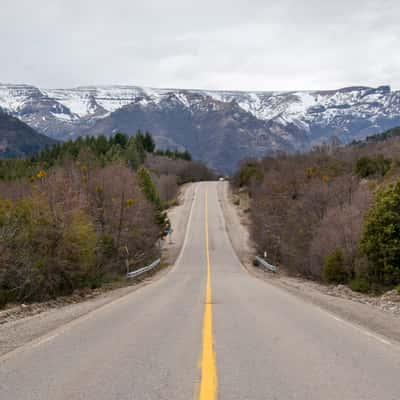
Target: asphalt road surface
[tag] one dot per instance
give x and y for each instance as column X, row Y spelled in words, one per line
column 205, row 330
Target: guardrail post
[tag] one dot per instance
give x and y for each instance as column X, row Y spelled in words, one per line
column 265, row 265
column 143, row 270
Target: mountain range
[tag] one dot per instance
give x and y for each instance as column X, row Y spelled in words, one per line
column 218, row 127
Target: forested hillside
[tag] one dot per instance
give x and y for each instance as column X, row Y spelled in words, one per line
column 18, row 139
column 75, row 214
column 331, row 214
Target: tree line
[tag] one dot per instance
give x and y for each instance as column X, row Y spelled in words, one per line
column 134, row 149
column 72, row 216
column 331, row 214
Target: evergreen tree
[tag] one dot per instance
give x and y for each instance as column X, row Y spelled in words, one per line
column 150, row 192
column 380, row 240
column 121, row 139
column 132, row 154
column 147, row 185
column 186, row 156
column 101, row 145
column 114, row 153
column 377, row 166
column 139, row 139
column 148, row 143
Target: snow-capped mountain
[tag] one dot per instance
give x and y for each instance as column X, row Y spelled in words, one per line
column 220, row 127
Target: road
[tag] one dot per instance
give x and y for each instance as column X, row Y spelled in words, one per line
column 205, row 330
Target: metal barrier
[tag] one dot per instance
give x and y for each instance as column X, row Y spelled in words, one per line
column 143, row 270
column 266, row 265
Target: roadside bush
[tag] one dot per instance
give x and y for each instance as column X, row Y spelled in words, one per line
column 43, row 256
column 3, row 298
column 167, row 187
column 340, row 228
column 79, row 247
column 360, row 284
column 30, row 237
column 380, row 241
column 334, row 268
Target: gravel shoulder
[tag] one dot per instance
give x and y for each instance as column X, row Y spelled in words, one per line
column 22, row 324
column 178, row 216
column 380, row 315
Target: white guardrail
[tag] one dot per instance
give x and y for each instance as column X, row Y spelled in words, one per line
column 143, row 270
column 264, row 264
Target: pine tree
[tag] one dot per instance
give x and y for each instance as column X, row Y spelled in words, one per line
column 186, row 156
column 121, row 139
column 101, row 145
column 148, row 187
column 150, row 192
column 132, row 154
column 139, row 139
column 114, row 153
column 148, row 143
column 380, row 240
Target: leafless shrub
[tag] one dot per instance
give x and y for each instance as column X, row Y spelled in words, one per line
column 167, row 187
column 186, row 171
column 71, row 228
column 306, row 206
column 340, row 229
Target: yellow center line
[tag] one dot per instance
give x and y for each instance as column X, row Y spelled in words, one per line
column 208, row 384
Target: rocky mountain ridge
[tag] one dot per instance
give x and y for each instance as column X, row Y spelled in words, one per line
column 219, row 127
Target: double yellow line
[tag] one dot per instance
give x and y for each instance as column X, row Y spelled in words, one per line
column 208, row 384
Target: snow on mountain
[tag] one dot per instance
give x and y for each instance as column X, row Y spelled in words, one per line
column 305, row 107
column 86, row 101
column 14, row 97
column 268, row 120
column 299, row 108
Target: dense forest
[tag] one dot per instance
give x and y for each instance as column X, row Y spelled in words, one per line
column 74, row 214
column 331, row 214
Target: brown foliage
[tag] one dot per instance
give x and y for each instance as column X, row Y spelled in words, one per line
column 72, row 228
column 185, row 171
column 307, row 206
column 167, row 187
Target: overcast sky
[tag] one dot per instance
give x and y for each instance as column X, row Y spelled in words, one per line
column 213, row 44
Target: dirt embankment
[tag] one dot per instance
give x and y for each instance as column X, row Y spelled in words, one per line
column 380, row 314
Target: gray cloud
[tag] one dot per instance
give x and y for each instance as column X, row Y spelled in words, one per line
column 218, row 44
